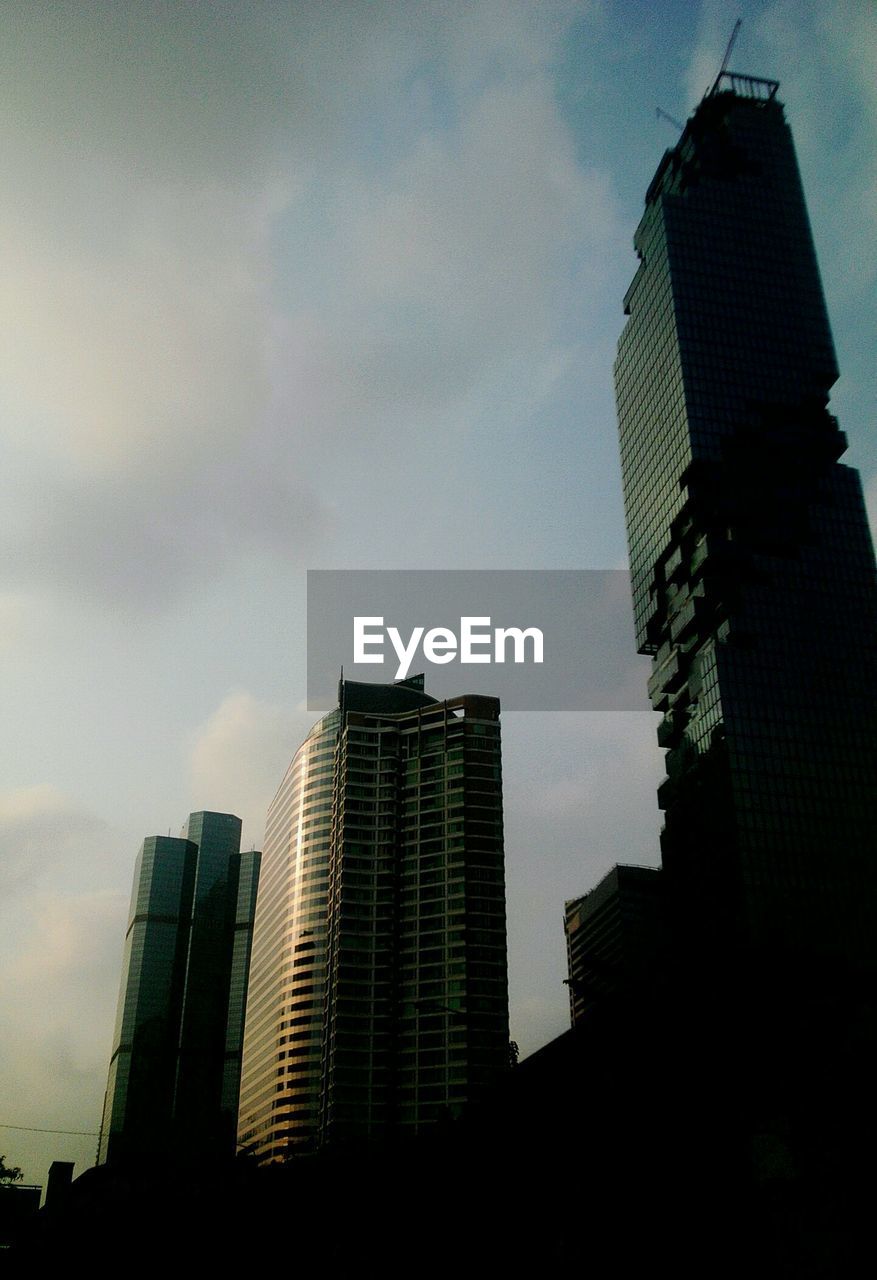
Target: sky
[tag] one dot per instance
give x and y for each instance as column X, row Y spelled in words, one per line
column 328, row 285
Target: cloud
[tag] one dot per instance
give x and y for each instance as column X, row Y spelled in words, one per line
column 238, row 758
column 154, row 348
column 58, row 992
column 137, row 545
column 826, row 56
column 460, row 286
column 150, row 162
column 13, row 620
column 847, row 31
column 597, row 774
column 71, row 960
column 714, row 26
column 61, row 932
column 139, row 392
column 538, row 1020
column 830, row 90
column 244, row 244
column 41, row 831
column 586, row 802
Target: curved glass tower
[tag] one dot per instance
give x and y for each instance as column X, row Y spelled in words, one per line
column 280, row 1088
column 378, row 998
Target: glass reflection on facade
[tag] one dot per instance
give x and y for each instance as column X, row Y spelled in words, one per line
column 378, row 998
column 140, row 1089
column 173, row 1081
column 280, row 1085
column 245, row 910
column 752, row 565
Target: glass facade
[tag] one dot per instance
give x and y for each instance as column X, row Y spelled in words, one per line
column 197, row 1101
column 172, row 1087
column 751, row 560
column 378, row 999
column 280, row 1084
column 614, row 938
column 245, row 910
column 143, row 1066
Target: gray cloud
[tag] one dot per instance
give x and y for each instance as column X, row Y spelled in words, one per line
column 172, row 395
column 326, row 281
column 39, row 827
column 581, row 798
column 58, row 991
column 61, row 934
column 238, row 757
column 142, row 543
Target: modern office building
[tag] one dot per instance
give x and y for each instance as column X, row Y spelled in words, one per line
column 378, row 994
column 175, row 1067
column 751, row 560
column 614, row 938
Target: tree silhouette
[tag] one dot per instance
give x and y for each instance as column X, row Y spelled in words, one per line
column 8, row 1173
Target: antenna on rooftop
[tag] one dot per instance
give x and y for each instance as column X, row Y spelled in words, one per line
column 724, row 67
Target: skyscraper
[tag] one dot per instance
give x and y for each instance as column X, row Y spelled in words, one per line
column 751, row 560
column 175, row 1065
column 614, row 937
column 378, row 994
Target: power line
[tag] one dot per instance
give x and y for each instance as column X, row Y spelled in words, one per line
column 25, row 1128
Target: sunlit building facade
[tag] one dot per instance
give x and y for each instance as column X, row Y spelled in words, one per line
column 751, row 559
column 378, row 995
column 280, row 1085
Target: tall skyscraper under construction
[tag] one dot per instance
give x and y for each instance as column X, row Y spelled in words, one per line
column 378, row 993
column 751, row 559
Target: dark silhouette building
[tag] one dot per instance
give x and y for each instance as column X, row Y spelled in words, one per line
column 175, row 1067
column 614, row 937
column 751, row 559
column 754, row 592
column 378, row 997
